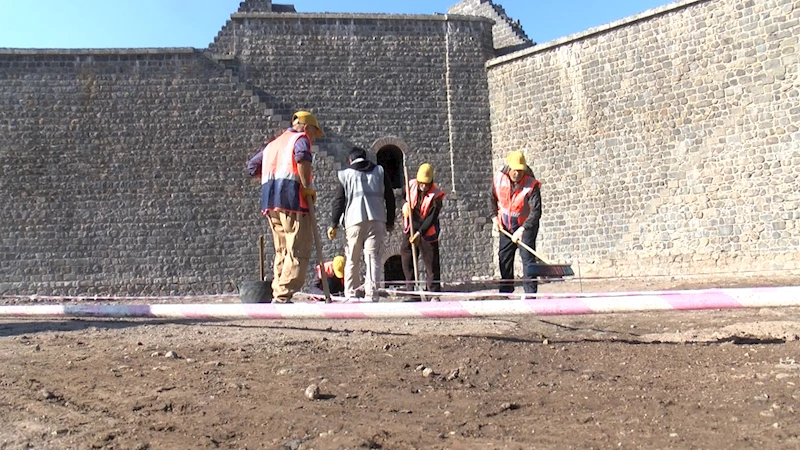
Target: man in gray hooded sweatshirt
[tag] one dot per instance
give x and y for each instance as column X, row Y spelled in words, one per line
column 366, row 201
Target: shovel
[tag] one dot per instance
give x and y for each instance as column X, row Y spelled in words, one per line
column 257, row 291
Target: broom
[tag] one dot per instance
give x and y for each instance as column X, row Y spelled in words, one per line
column 545, row 269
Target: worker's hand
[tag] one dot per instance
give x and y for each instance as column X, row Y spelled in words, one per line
column 413, row 238
column 496, row 224
column 331, row 233
column 517, row 236
column 309, row 192
column 406, row 210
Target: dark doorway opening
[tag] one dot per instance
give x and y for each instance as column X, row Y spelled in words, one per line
column 393, row 271
column 390, row 158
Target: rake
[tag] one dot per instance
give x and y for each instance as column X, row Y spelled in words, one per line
column 543, row 269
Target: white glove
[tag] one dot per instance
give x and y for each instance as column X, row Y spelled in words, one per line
column 517, row 236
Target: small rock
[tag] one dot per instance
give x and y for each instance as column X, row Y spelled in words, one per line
column 420, row 367
column 293, row 444
column 155, row 354
column 170, row 354
column 312, row 392
column 427, row 372
column 453, row 375
column 761, row 398
column 545, row 342
column 47, row 394
column 507, row 406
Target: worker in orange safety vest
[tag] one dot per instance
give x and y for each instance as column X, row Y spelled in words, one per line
column 334, row 271
column 516, row 205
column 422, row 210
column 284, row 166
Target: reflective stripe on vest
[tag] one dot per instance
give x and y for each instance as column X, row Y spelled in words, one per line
column 328, row 270
column 432, row 235
column 513, row 201
column 280, row 178
column 364, row 193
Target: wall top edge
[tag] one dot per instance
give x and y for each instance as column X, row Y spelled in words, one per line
column 650, row 13
column 361, row 16
column 97, row 51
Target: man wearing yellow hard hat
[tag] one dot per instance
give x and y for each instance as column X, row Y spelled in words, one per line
column 421, row 213
column 516, row 208
column 335, row 275
column 284, row 166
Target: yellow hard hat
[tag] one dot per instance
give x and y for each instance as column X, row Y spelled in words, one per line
column 516, row 161
column 307, row 118
column 425, row 173
column 338, row 266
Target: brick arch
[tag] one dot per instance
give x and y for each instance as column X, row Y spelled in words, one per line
column 389, row 140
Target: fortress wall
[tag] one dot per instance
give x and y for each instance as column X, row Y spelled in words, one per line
column 123, row 173
column 667, row 143
column 421, row 79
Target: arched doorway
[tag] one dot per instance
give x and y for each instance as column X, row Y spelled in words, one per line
column 393, row 271
column 390, row 153
column 390, row 157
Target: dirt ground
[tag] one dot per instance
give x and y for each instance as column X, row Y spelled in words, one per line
column 661, row 380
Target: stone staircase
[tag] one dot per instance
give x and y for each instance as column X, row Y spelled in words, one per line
column 276, row 115
column 508, row 34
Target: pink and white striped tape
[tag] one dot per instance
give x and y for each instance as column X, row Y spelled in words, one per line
column 577, row 304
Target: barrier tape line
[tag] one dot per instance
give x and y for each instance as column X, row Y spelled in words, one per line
column 679, row 300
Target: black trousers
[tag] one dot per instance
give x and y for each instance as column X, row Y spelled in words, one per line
column 430, row 256
column 335, row 285
column 506, row 254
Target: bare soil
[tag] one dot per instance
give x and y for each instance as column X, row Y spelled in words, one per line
column 661, row 380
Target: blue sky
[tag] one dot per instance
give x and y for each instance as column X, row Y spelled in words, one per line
column 194, row 23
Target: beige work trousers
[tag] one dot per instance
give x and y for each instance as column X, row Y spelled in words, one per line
column 366, row 237
column 291, row 236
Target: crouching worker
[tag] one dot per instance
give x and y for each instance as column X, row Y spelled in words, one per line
column 334, row 271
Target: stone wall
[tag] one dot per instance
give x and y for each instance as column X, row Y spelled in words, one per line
column 667, row 143
column 420, row 80
column 124, row 169
column 123, row 173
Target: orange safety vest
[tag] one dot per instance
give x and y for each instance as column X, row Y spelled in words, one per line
column 280, row 180
column 513, row 206
column 328, row 271
column 432, row 235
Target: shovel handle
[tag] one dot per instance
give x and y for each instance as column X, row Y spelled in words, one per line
column 523, row 245
column 318, row 241
column 411, row 226
column 261, row 256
